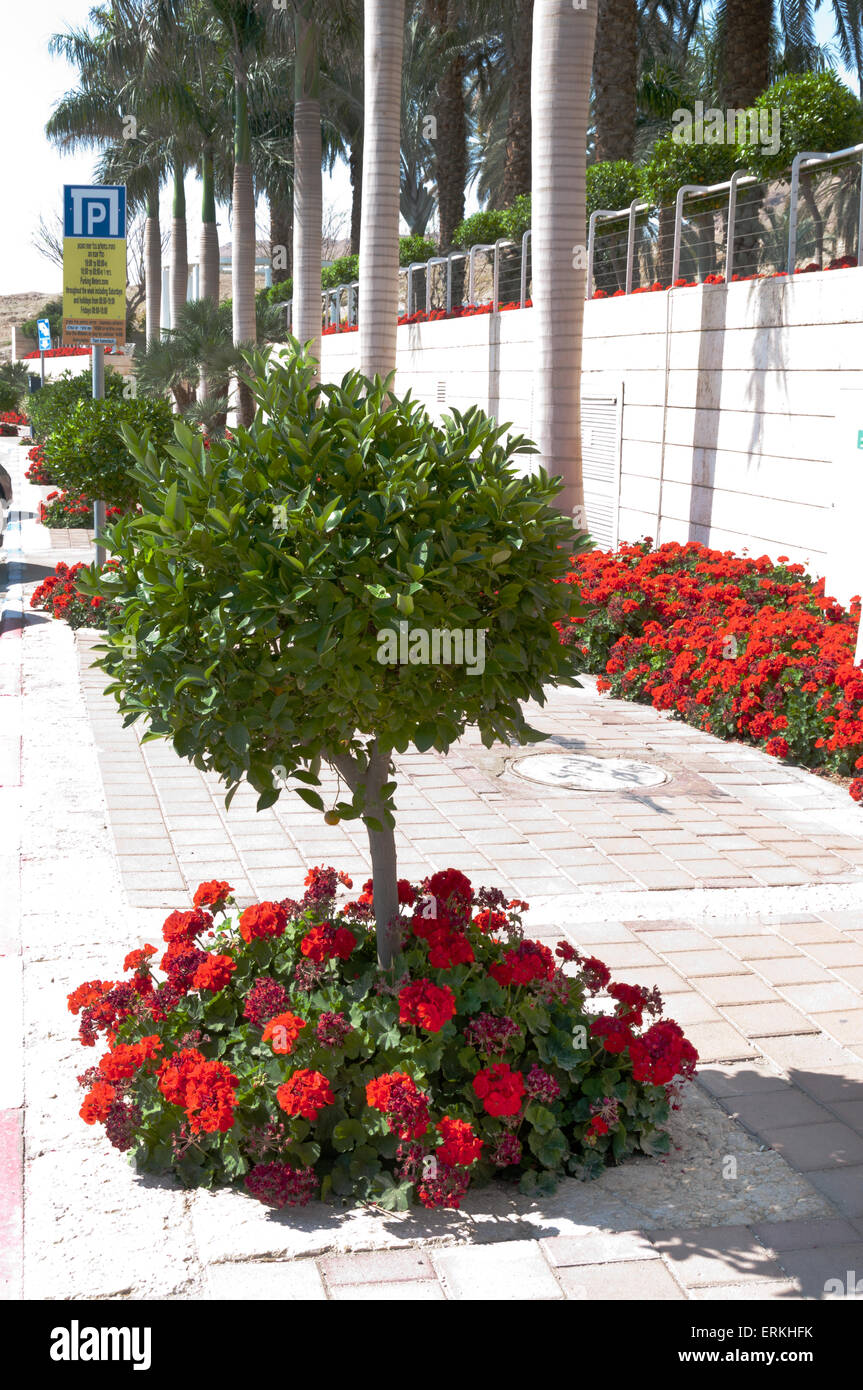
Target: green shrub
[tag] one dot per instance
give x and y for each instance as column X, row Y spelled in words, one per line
column 481, row 228
column 87, row 453
column 52, row 405
column 415, row 248
column 612, row 184
column 673, row 163
column 343, row 271
column 816, row 112
column 10, row 396
column 266, row 582
column 53, row 311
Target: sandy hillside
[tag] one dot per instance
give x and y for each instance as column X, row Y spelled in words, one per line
column 15, row 309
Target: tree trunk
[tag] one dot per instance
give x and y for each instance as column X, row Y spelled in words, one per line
column 153, row 267
column 379, row 238
column 562, row 59
column 209, row 245
column 356, row 164
column 382, row 845
column 746, row 57
column 179, row 248
column 516, row 169
column 451, row 136
column 615, row 78
column 281, row 237
column 243, row 245
column 308, row 193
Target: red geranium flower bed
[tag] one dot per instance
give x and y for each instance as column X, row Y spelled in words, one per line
column 58, row 594
column 743, row 648
column 274, row 1052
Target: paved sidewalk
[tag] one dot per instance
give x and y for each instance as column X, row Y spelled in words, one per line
column 736, row 888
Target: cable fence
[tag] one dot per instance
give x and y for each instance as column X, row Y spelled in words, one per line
column 811, row 218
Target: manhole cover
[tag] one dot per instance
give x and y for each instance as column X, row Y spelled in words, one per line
column 583, row 773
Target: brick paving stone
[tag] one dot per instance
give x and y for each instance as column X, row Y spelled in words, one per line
column 842, row 1187
column 266, row 1280
column 846, row 1025
column 598, row 1247
column 805, row 1235
column 645, row 1280
column 768, row 1020
column 694, row 964
column 796, row 969
column 414, row 1291
column 716, row 1255
column 768, row 1291
column 843, row 1083
column 806, row 1053
column 376, row 1267
column 850, row 1112
column 816, row 1270
column 822, row 998
column 777, row 1109
column 742, row 1079
column 736, row 989
column 668, row 942
column 506, row 1270
column 718, row 1042
column 818, row 1146
column 662, row 977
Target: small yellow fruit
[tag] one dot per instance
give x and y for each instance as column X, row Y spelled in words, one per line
column 332, row 817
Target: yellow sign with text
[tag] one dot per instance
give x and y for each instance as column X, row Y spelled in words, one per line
column 94, row 291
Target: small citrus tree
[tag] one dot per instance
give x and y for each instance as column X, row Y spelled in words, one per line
column 280, row 599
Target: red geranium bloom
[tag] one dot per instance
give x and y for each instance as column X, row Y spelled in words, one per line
column 139, row 960
column 398, row 1096
column 185, row 926
column 428, row 1005
column 305, row 1093
column 460, row 1145
column 214, row 973
column 523, row 964
column 213, row 894
column 282, row 1032
column 326, row 942
column 500, row 1089
column 263, row 920
column 97, row 1103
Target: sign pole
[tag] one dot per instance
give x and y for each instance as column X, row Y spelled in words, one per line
column 42, row 366
column 99, row 395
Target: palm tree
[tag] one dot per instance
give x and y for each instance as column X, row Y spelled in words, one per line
column 563, row 39
column 748, row 39
column 379, row 242
column 308, row 190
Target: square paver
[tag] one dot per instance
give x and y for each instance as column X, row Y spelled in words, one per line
column 818, row 1146
column 376, row 1267
column 777, row 1109
column 736, row 989
column 635, row 1280
column 266, row 1280
column 716, row 1255
column 834, row 1271
column 509, row 1270
column 768, row 1020
column 598, row 1247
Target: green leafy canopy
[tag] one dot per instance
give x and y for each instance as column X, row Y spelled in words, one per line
column 263, row 568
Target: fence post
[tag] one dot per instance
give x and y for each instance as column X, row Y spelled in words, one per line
column 591, row 245
column 495, row 293
column 678, row 223
column 523, row 290
column 794, row 203
column 630, row 244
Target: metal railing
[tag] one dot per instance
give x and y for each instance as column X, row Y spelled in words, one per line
column 739, row 224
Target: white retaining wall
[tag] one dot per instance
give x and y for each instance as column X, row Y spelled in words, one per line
column 729, row 400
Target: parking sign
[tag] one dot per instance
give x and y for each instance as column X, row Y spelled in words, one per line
column 94, row 265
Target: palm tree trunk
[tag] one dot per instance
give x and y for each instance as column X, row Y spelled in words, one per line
column 243, row 242
column 379, row 236
column 308, row 194
column 179, row 247
column 615, row 77
column 356, row 166
column 281, row 237
column 451, row 138
column 516, row 169
column 563, row 39
column 209, row 250
column 746, row 58
column 153, row 266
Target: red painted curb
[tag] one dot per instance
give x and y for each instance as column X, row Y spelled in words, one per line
column 11, row 1205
